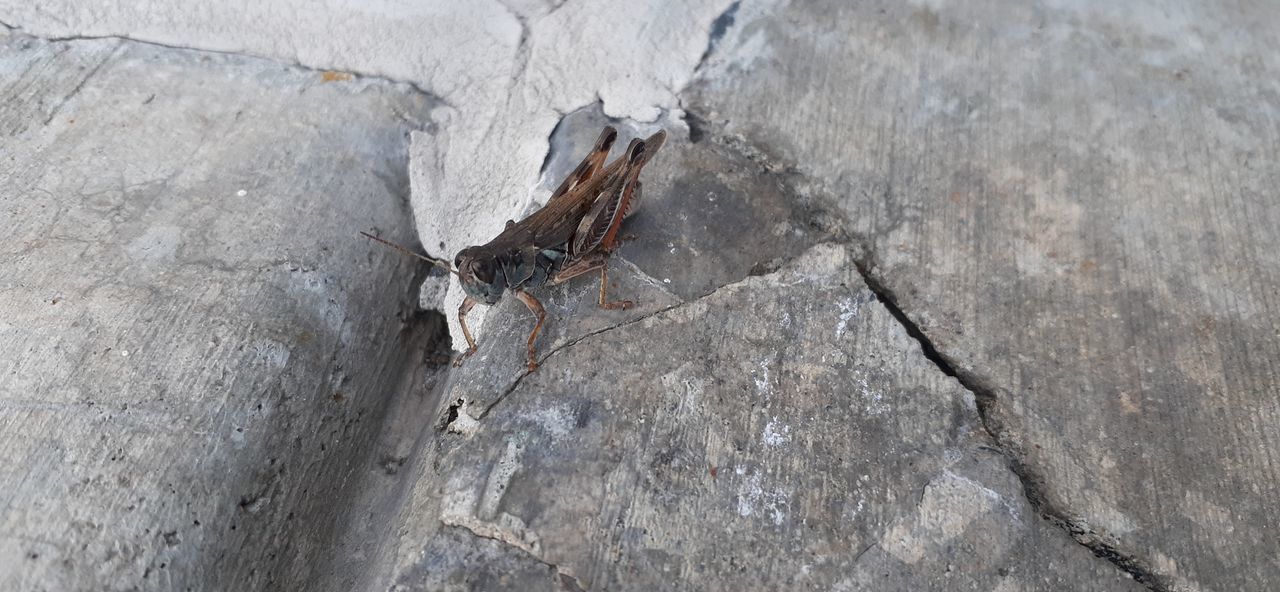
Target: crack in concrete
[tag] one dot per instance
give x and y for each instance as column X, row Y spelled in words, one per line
column 414, row 86
column 719, row 27
column 521, row 62
column 565, row 575
column 83, row 81
column 1101, row 544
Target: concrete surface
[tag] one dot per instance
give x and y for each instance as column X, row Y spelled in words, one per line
column 197, row 351
column 1077, row 205
column 505, row 72
column 932, row 296
column 719, row 461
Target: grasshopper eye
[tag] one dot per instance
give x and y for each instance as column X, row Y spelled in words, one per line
column 483, row 271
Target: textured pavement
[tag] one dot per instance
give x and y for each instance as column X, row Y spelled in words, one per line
column 929, row 297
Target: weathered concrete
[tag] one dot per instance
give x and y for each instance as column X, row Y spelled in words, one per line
column 683, row 449
column 196, row 349
column 506, row 71
column 1076, row 204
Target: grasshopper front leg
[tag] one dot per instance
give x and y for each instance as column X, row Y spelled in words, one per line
column 536, row 308
column 467, row 305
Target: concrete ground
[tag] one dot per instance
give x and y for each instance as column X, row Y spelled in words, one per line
column 930, row 297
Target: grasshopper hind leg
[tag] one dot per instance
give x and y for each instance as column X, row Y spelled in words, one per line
column 598, row 260
column 604, row 298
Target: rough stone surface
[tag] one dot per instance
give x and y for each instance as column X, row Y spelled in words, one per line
column 1076, row 203
column 718, row 460
column 197, row 350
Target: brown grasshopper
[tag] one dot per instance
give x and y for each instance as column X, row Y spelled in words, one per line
column 573, row 234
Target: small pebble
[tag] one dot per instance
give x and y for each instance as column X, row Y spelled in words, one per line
column 242, row 193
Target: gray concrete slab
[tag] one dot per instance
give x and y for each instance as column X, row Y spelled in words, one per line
column 197, row 351
column 1069, row 207
column 1076, row 203
column 683, row 449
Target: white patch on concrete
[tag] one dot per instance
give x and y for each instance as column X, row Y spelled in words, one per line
column 872, row 398
column 760, row 376
column 753, row 497
column 776, row 433
column 857, row 510
column 848, row 310
column 991, row 494
column 950, row 503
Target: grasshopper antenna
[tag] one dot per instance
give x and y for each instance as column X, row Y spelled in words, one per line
column 432, row 260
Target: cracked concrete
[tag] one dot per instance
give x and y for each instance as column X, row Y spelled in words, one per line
column 1076, row 241
column 523, row 472
column 913, row 280
column 1032, row 483
column 635, row 470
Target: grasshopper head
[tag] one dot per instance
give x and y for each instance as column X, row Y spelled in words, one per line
column 479, row 275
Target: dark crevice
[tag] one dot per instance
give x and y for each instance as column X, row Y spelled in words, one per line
column 451, row 414
column 719, row 27
column 697, row 126
column 890, row 303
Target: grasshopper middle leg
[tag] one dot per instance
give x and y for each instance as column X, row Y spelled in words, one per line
column 536, row 308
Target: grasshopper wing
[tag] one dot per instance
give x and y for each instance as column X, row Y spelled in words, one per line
column 616, row 200
column 590, row 165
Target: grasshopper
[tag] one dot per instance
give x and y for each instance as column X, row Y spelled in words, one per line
column 573, row 234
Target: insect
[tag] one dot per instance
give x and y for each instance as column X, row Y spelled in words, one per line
column 572, row 235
